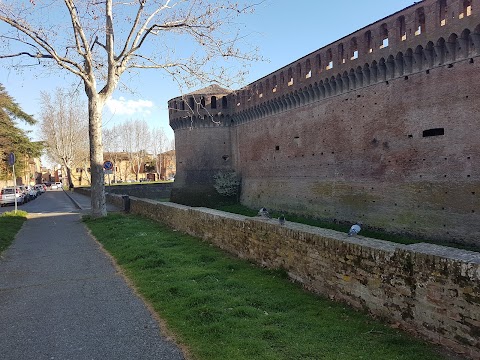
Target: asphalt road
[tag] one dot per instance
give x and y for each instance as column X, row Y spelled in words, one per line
column 62, row 298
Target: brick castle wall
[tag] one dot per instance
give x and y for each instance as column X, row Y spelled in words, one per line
column 379, row 127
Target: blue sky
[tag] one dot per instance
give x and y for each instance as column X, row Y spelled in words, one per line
column 284, row 30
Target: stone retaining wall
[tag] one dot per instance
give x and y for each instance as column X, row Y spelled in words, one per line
column 428, row 290
column 146, row 190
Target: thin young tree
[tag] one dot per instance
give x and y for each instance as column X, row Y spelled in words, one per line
column 135, row 136
column 64, row 125
column 99, row 41
column 158, row 147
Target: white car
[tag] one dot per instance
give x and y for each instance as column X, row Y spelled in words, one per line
column 56, row 185
column 40, row 189
column 8, row 195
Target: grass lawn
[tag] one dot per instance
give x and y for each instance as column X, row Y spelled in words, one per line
column 10, row 224
column 221, row 307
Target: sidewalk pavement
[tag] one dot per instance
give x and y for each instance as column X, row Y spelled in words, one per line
column 82, row 202
column 61, row 297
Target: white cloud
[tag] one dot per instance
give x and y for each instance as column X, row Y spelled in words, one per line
column 123, row 106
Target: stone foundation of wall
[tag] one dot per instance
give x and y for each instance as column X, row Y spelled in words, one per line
column 428, row 290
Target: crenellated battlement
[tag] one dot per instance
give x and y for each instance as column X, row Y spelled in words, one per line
column 425, row 35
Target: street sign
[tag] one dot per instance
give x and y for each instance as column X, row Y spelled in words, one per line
column 108, row 165
column 11, row 159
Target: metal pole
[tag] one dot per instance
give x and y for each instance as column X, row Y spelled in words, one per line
column 14, row 188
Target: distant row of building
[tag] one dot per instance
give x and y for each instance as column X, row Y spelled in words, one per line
column 126, row 168
column 130, row 168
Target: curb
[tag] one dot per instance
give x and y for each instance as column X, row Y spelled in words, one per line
column 77, row 205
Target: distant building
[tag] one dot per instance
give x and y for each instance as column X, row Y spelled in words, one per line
column 140, row 166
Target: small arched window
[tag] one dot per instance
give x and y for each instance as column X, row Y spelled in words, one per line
column 368, row 41
column 290, row 77
column 191, row 103
column 419, row 21
column 353, row 49
column 202, row 101
column 318, row 60
column 308, row 69
column 384, row 36
column 213, row 102
column 467, row 9
column 224, row 102
column 442, row 4
column 329, row 59
column 341, row 54
column 403, row 28
column 274, row 83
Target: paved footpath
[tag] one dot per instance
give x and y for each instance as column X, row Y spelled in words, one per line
column 62, row 298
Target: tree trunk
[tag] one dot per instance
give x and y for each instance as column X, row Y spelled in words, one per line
column 97, row 196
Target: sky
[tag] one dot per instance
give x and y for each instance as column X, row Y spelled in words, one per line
column 284, row 31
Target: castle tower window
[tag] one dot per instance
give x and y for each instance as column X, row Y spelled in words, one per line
column 420, row 21
column 329, row 59
column 213, row 102
column 274, row 83
column 308, row 69
column 354, row 49
column 384, row 36
column 202, row 101
column 260, row 90
column 402, row 27
column 282, row 78
column 467, row 9
column 191, row 103
column 368, row 41
column 224, row 102
column 267, row 84
column 443, row 12
column 182, row 105
column 341, row 54
column 290, row 77
column 175, row 105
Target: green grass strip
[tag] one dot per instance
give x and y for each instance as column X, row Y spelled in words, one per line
column 10, row 224
column 222, row 307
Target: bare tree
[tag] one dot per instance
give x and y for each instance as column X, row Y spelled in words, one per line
column 135, row 136
column 99, row 41
column 64, row 125
column 159, row 145
column 113, row 147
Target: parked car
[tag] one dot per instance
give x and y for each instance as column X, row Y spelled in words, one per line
column 31, row 192
column 24, row 191
column 56, row 185
column 40, row 188
column 8, row 195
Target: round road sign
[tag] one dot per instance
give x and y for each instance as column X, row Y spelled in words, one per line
column 11, row 159
column 108, row 165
